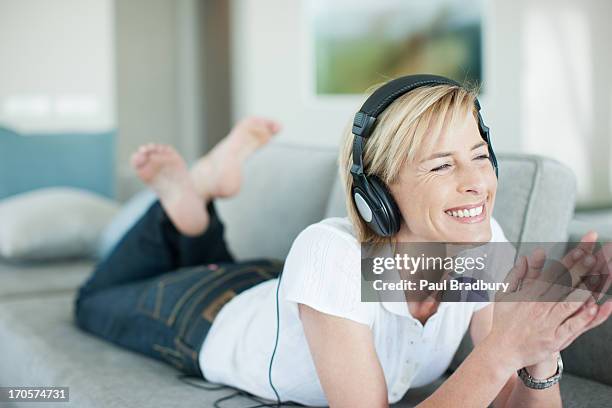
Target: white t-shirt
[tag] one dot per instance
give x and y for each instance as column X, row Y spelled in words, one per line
column 322, row 271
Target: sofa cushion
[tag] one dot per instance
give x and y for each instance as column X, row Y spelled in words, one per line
column 336, row 204
column 285, row 189
column 580, row 226
column 32, row 161
column 53, row 223
column 35, row 279
column 576, row 392
column 589, row 355
column 42, row 346
column 535, row 198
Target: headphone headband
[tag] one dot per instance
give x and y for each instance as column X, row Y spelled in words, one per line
column 364, row 120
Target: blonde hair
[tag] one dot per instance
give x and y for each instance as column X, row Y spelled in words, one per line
column 414, row 120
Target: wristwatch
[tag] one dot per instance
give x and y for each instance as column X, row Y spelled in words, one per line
column 536, row 384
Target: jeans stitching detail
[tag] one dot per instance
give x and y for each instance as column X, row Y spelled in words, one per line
column 179, row 303
column 158, row 297
column 248, row 282
column 170, row 356
column 181, row 274
column 172, row 278
column 159, row 282
column 180, row 344
column 265, row 273
column 140, row 304
column 214, row 285
column 186, row 319
column 208, row 290
column 167, row 350
column 222, row 279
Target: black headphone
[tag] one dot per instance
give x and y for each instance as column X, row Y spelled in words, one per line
column 374, row 203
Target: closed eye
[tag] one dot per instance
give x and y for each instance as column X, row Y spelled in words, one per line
column 446, row 165
column 442, row 167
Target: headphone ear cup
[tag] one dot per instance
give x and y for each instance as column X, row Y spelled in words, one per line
column 390, row 217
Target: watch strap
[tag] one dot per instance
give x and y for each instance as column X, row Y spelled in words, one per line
column 538, row 384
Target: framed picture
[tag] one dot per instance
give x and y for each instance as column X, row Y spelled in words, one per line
column 357, row 44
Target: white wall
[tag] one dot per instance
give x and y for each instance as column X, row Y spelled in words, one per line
column 57, row 65
column 147, row 96
column 159, row 95
column 545, row 72
column 269, row 55
column 566, row 89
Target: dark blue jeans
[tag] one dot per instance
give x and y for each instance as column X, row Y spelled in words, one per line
column 158, row 292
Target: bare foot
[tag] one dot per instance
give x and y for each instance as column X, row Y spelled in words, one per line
column 165, row 171
column 218, row 174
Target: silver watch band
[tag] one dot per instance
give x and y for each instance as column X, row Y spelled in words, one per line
column 536, row 384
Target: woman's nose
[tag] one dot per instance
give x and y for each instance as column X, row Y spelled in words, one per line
column 471, row 180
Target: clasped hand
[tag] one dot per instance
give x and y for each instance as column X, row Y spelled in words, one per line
column 544, row 309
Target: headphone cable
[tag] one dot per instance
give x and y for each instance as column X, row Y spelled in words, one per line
column 261, row 403
column 278, row 401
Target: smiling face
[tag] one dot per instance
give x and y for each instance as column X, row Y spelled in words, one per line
column 447, row 192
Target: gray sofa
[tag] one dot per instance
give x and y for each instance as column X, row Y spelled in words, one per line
column 286, row 188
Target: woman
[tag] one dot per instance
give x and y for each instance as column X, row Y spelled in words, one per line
column 171, row 290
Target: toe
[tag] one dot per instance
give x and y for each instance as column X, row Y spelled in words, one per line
column 145, row 148
column 274, row 126
column 138, row 159
column 171, row 152
column 265, row 126
column 267, row 123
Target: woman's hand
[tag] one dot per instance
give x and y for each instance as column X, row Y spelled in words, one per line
column 530, row 328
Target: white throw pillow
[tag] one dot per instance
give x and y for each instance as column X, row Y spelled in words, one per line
column 53, row 223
